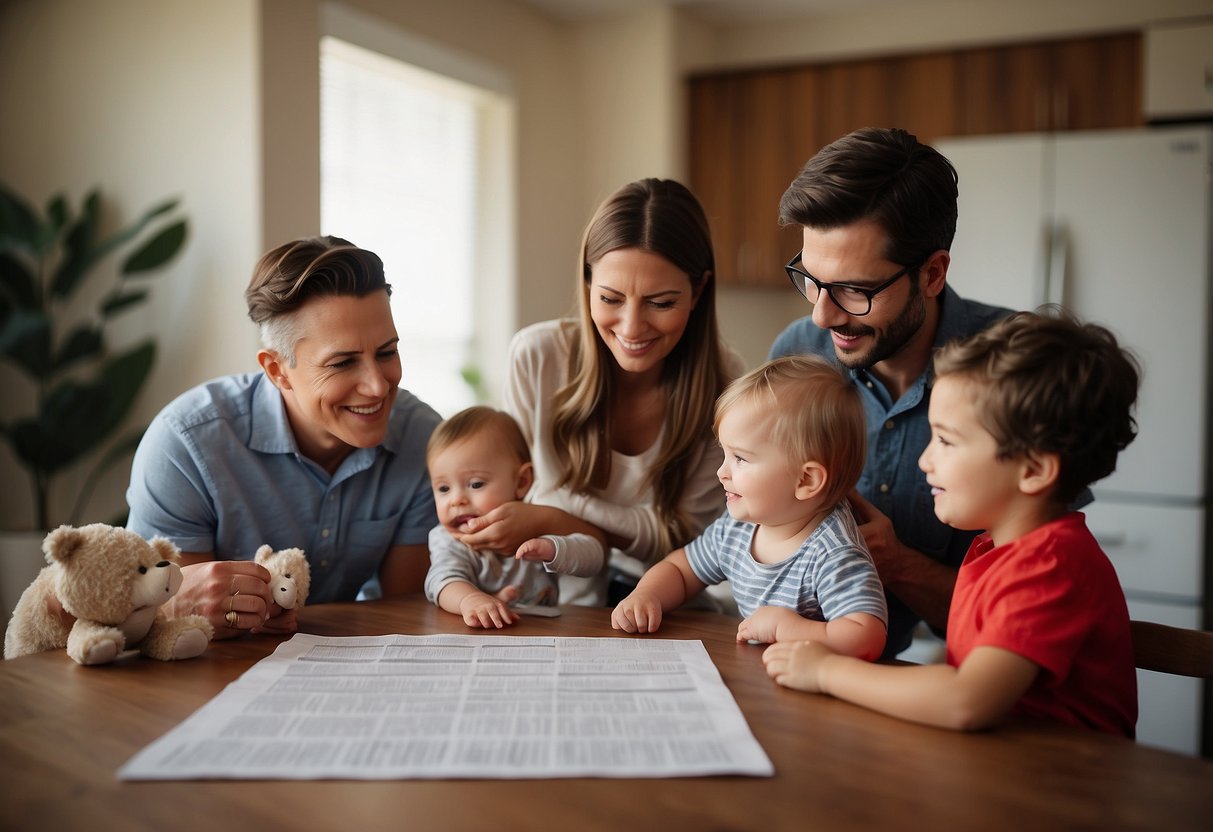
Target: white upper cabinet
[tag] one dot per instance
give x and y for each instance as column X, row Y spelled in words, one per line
column 1178, row 70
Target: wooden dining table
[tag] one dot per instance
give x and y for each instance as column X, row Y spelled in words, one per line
column 66, row 729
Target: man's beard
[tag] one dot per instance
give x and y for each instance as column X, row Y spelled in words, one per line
column 893, row 340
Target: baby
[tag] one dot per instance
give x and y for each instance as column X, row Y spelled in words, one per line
column 792, row 432
column 478, row 460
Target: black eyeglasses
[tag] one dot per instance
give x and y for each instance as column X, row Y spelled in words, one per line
column 854, row 300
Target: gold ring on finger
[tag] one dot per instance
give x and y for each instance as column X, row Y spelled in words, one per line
column 232, row 617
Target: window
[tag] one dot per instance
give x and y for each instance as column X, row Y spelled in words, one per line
column 414, row 166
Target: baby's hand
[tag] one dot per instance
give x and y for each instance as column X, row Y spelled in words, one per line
column 763, row 625
column 797, row 664
column 640, row 612
column 537, row 549
column 480, row 610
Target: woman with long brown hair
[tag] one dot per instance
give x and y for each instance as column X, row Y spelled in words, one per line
column 617, row 404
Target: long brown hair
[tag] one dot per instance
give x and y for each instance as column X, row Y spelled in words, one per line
column 663, row 217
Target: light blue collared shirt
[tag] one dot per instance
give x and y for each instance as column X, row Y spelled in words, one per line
column 219, row 471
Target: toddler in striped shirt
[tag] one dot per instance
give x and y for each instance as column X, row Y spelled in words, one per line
column 793, row 436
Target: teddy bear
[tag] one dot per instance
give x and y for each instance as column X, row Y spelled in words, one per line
column 290, row 575
column 114, row 582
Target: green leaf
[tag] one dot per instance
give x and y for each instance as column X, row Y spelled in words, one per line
column 57, row 214
column 125, row 235
column 124, row 377
column 69, row 425
column 28, row 439
column 18, row 286
column 26, row 339
column 84, row 342
column 19, row 225
column 78, row 252
column 158, row 251
column 119, row 301
column 77, row 416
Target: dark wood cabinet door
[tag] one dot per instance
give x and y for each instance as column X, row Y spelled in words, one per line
column 1097, row 83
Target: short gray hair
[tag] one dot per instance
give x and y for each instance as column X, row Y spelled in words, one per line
column 280, row 334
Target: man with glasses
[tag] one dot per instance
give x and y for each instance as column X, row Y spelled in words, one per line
column 878, row 212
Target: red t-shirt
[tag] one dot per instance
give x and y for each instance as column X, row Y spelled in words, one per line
column 1052, row 597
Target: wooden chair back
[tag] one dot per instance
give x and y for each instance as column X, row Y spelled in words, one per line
column 1173, row 649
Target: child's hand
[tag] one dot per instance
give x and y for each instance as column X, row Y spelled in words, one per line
column 537, row 549
column 480, row 610
column 797, row 664
column 763, row 625
column 640, row 612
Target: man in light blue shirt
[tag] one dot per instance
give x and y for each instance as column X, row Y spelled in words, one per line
column 878, row 213
column 320, row 451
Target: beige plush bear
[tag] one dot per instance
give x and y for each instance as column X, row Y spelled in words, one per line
column 291, row 577
column 114, row 582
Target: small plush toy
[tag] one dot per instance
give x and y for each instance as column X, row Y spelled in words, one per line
column 291, row 575
column 114, row 582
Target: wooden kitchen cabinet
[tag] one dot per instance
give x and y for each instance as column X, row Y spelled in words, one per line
column 1083, row 84
column 750, row 132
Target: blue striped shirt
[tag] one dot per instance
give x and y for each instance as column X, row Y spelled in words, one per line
column 830, row 576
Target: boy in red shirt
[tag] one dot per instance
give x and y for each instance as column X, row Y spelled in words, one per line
column 1023, row 417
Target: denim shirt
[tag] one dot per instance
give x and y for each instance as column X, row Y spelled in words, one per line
column 898, row 433
column 219, row 470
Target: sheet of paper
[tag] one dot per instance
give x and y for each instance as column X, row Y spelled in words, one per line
column 448, row 706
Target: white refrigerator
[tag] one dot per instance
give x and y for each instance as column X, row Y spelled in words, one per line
column 1116, row 226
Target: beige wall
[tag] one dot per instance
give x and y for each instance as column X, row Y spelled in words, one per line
column 146, row 100
column 218, row 102
column 632, row 95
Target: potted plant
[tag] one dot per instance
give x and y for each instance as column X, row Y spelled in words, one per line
column 51, row 265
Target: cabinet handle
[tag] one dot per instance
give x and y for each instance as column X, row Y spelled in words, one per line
column 1057, row 258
